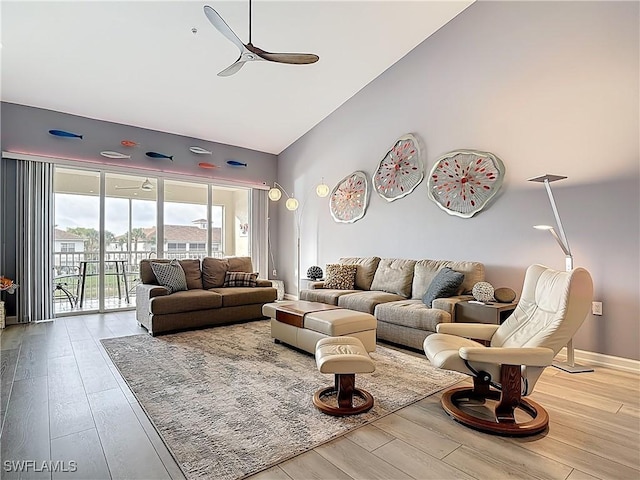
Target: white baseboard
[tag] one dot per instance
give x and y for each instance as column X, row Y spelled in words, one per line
column 593, row 359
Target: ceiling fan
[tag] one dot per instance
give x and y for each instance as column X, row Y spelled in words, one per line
column 146, row 186
column 249, row 52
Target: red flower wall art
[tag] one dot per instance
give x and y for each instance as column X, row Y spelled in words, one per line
column 349, row 199
column 400, row 171
column 463, row 182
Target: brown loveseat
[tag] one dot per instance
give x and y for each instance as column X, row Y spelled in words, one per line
column 205, row 302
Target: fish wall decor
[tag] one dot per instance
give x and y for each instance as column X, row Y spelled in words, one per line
column 128, row 143
column 159, row 155
column 236, row 163
column 116, row 155
column 64, row 134
column 207, row 165
column 199, row 151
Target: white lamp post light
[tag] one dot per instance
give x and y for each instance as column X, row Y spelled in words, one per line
column 570, row 365
column 292, row 204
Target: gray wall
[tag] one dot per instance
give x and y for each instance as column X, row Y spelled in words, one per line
column 25, row 130
column 550, row 87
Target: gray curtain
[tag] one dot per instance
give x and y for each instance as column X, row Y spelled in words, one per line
column 34, row 238
column 258, row 230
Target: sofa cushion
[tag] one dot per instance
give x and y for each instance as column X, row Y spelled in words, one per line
column 236, row 296
column 324, row 295
column 411, row 314
column 445, row 284
column 240, row 279
column 425, row 270
column 240, row 264
column 365, row 270
column 170, row 275
column 185, row 301
column 394, row 275
column 340, row 277
column 366, row 301
column 213, row 272
column 191, row 267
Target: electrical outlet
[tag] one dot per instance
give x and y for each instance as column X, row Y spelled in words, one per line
column 596, row 308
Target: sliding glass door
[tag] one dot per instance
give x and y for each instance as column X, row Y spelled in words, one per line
column 129, row 234
column 106, row 222
column 76, row 239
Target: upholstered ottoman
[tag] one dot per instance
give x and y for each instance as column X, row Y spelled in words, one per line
column 301, row 324
column 344, row 357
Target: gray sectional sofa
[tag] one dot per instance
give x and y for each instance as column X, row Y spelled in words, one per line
column 392, row 289
column 206, row 302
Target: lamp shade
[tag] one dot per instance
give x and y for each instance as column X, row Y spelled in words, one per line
column 291, row 204
column 275, row 194
column 322, row 190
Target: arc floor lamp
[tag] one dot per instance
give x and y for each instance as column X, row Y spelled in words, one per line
column 292, row 204
column 570, row 365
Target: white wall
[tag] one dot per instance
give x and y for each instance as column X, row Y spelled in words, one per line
column 549, row 87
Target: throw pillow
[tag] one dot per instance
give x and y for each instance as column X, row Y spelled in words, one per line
column 340, row 277
column 444, row 284
column 213, row 272
column 240, row 279
column 170, row 275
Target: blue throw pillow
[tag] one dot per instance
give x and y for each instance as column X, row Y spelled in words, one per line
column 444, row 284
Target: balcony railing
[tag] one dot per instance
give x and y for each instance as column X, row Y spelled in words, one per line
column 67, row 278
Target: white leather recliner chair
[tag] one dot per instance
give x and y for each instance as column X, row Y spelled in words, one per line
column 507, row 365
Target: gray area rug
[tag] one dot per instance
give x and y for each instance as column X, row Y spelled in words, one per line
column 229, row 402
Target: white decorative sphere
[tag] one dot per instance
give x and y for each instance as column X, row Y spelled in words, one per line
column 483, row 292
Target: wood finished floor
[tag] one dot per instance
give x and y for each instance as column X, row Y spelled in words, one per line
column 62, row 399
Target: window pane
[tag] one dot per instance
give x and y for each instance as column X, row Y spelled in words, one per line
column 130, row 234
column 76, row 235
column 185, row 219
column 230, row 220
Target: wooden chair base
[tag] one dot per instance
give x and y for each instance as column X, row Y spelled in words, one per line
column 504, row 424
column 345, row 390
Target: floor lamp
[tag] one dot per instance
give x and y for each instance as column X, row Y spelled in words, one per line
column 292, row 204
column 570, row 365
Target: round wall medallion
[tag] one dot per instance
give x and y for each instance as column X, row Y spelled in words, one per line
column 463, row 182
column 400, row 171
column 349, row 199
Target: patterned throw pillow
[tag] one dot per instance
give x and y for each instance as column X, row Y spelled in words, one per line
column 170, row 275
column 444, row 284
column 340, row 277
column 240, row 279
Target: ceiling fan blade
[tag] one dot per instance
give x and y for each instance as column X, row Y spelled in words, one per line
column 233, row 68
column 292, row 58
column 217, row 21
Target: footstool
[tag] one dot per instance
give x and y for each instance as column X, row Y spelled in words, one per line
column 301, row 324
column 344, row 357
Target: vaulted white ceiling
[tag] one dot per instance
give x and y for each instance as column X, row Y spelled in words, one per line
column 139, row 63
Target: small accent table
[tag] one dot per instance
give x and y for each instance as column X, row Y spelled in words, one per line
column 492, row 313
